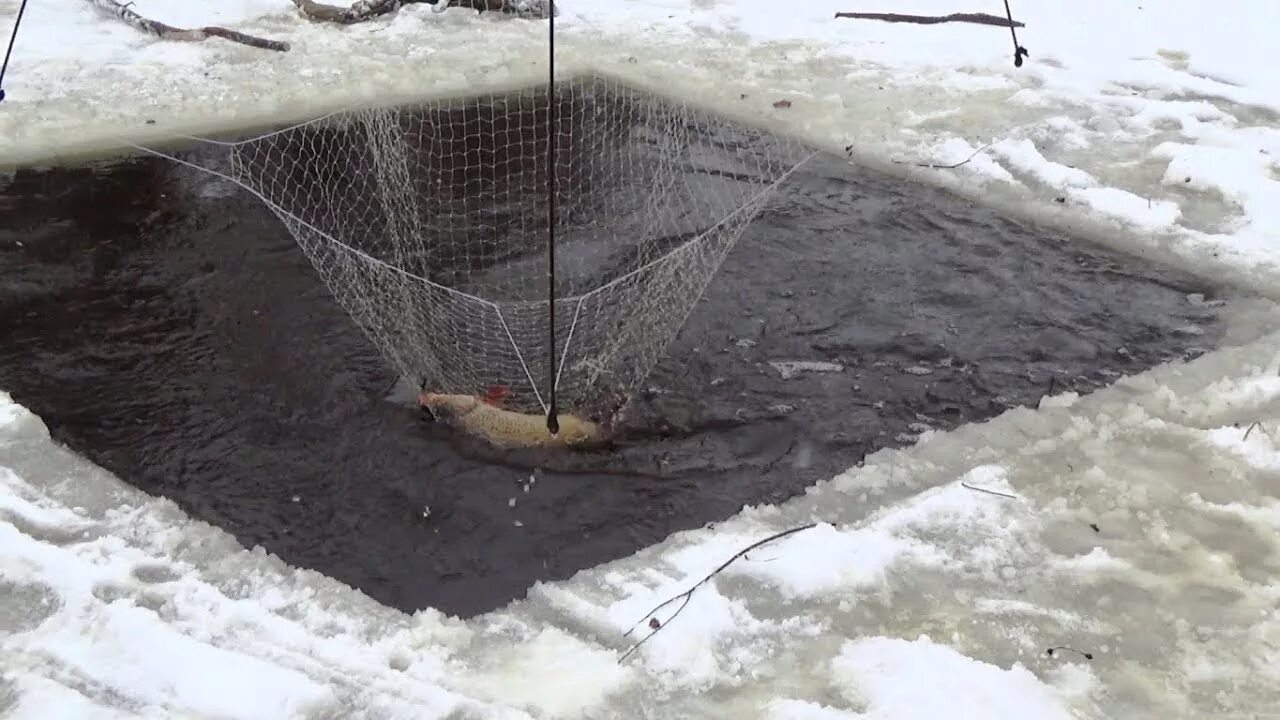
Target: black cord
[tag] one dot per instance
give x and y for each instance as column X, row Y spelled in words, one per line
column 9, row 51
column 553, row 422
column 1018, row 50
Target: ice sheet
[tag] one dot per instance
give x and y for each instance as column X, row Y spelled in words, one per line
column 1171, row 108
column 1142, row 523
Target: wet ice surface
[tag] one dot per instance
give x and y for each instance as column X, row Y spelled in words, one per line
column 171, row 331
column 1141, row 529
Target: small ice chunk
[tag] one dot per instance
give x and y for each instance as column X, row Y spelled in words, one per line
column 792, row 368
column 918, row 370
column 1064, row 400
column 887, row 674
column 1197, row 299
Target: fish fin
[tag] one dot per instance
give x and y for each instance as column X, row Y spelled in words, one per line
column 495, row 394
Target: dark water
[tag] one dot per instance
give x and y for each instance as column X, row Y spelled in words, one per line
column 168, row 328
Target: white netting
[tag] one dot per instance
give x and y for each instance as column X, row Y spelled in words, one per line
column 429, row 224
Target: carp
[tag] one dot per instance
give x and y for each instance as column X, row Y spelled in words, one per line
column 481, row 416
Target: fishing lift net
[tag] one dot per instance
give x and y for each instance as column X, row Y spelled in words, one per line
column 429, row 223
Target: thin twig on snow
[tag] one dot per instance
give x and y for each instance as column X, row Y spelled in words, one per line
column 687, row 595
column 169, row 32
column 931, row 166
column 973, row 18
column 1085, row 655
column 989, row 492
column 1254, row 424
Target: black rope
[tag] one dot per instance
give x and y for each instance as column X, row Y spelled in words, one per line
column 553, row 422
column 1018, row 50
column 9, row 51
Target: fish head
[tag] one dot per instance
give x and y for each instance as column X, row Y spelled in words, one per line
column 445, row 406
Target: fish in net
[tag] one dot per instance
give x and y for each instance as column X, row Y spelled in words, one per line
column 429, row 224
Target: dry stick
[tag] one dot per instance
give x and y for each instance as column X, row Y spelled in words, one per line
column 1252, row 425
column 948, row 167
column 369, row 9
column 359, row 12
column 989, row 492
column 974, row 18
column 538, row 9
column 1050, row 651
column 169, row 32
column 687, row 595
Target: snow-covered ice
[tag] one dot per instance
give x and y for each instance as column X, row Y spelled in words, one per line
column 1137, row 524
column 1168, row 111
column 1142, row 523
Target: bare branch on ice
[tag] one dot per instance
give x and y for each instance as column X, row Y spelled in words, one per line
column 944, row 167
column 655, row 626
column 989, row 492
column 525, row 8
column 359, row 12
column 975, row 18
column 363, row 10
column 168, row 32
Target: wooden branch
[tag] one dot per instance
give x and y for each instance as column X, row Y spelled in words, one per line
column 989, row 492
column 364, row 10
column 974, row 18
column 655, row 626
column 359, row 12
column 943, row 167
column 169, row 32
column 540, row 9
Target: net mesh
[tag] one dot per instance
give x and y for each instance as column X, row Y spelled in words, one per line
column 429, row 225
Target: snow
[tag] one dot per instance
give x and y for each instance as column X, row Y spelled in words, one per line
column 887, row 673
column 121, row 604
column 1142, row 523
column 884, row 676
column 915, row 582
column 1118, row 105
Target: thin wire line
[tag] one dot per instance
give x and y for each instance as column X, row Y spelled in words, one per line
column 565, row 355
column 520, row 357
column 351, row 109
column 13, row 38
column 553, row 423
